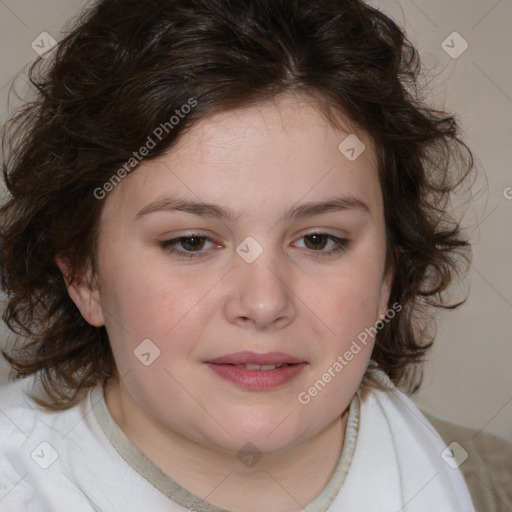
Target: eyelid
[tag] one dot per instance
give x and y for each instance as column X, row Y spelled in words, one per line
column 341, row 244
column 330, row 237
column 165, row 244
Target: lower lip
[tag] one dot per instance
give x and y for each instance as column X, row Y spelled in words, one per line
column 257, row 379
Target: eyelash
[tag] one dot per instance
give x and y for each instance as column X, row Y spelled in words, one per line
column 169, row 246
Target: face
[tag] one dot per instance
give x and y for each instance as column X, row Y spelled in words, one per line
column 273, row 274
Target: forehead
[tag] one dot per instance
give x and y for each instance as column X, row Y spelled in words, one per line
column 280, row 125
column 258, row 157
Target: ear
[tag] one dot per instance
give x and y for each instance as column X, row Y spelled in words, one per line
column 83, row 292
column 385, row 292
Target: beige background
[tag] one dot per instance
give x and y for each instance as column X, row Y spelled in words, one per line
column 468, row 377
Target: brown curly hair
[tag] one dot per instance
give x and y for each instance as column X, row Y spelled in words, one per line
column 126, row 67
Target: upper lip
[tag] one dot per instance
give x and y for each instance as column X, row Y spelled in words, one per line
column 247, row 357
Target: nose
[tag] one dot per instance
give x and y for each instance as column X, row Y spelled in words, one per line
column 260, row 293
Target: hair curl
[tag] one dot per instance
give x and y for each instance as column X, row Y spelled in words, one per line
column 126, row 66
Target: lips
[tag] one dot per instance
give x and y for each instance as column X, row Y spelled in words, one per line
column 253, row 358
column 257, row 372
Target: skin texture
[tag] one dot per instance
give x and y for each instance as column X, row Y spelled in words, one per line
column 259, row 161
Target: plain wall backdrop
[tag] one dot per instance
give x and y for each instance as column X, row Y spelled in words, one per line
column 467, row 45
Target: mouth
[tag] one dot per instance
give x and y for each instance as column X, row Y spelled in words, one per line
column 263, row 367
column 257, row 359
column 250, row 370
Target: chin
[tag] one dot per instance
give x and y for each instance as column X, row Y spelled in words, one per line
column 272, row 438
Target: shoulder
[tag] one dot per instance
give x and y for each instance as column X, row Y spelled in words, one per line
column 31, row 441
column 19, row 412
column 63, row 460
column 24, row 424
column 488, row 466
column 19, row 419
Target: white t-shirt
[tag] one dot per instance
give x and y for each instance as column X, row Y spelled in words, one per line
column 79, row 460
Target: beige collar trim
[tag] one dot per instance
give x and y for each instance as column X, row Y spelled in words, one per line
column 148, row 470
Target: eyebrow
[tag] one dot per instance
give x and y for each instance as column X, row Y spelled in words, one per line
column 172, row 204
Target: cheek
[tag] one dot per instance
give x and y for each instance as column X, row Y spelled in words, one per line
column 348, row 300
column 346, row 309
column 145, row 301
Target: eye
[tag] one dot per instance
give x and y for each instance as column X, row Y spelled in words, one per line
column 192, row 245
column 318, row 241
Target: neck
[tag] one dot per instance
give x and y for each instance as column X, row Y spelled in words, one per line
column 283, row 482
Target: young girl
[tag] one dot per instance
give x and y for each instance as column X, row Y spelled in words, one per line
column 225, row 226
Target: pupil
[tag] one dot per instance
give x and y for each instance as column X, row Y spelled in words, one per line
column 319, row 239
column 195, row 242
